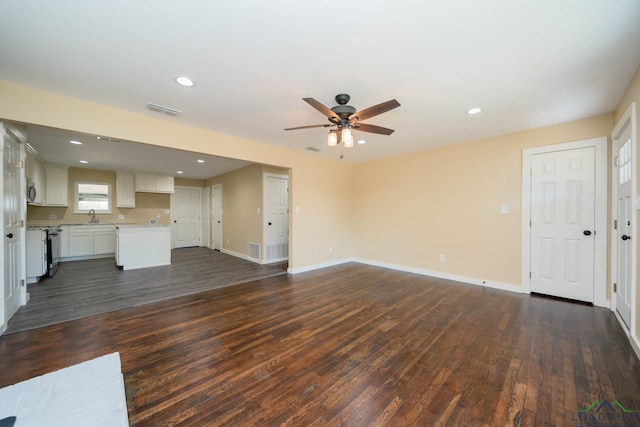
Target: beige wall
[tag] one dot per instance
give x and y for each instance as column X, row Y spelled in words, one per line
column 411, row 209
column 242, row 205
column 187, row 182
column 631, row 95
column 241, row 199
column 148, row 205
column 317, row 184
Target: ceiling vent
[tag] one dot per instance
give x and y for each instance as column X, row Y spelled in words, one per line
column 165, row 110
column 313, row 149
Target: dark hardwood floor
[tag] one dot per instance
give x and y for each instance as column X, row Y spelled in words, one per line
column 349, row 345
column 90, row 287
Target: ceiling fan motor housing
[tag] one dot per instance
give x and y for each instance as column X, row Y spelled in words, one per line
column 343, row 111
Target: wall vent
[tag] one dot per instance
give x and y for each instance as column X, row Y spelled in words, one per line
column 254, row 250
column 277, row 252
column 165, row 110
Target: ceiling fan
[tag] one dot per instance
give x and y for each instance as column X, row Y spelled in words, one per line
column 345, row 118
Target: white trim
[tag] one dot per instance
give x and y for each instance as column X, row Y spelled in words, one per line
column 628, row 116
column 602, row 231
column 213, row 226
column 635, row 345
column 319, row 266
column 265, row 233
column 205, row 234
column 239, row 255
column 463, row 279
column 172, row 212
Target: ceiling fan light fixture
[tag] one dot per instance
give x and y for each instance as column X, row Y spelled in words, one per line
column 347, row 138
column 332, row 139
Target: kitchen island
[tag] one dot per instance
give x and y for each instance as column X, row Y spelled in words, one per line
column 140, row 246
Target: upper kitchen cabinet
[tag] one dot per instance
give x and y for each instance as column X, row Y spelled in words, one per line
column 125, row 190
column 56, row 191
column 149, row 183
column 33, row 172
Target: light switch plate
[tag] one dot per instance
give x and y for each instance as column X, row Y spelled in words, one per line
column 504, row 208
column 53, row 216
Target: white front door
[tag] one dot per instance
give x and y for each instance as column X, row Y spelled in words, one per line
column 186, row 207
column 216, row 215
column 11, row 217
column 276, row 216
column 623, row 192
column 562, row 223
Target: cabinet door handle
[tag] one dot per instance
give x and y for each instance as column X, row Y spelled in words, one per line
column 10, row 235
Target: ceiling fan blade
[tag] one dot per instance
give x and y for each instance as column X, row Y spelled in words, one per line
column 310, row 126
column 322, row 108
column 374, row 111
column 364, row 127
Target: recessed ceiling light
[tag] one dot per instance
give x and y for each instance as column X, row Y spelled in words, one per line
column 179, row 172
column 200, row 161
column 474, row 111
column 184, row 81
column 84, row 161
column 75, row 142
column 362, row 141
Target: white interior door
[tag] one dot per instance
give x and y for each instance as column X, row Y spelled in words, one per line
column 11, row 218
column 186, row 206
column 562, row 223
column 216, row 215
column 623, row 178
column 276, row 215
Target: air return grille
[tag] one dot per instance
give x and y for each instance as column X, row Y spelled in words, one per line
column 254, row 250
column 165, row 110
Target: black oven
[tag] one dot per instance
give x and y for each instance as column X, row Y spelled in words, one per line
column 53, row 250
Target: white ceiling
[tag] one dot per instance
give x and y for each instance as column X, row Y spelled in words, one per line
column 527, row 63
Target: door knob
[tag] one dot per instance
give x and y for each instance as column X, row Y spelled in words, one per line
column 10, row 235
column 587, row 232
column 269, row 224
column 625, row 237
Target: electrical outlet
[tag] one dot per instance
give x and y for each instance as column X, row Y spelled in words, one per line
column 157, row 215
column 330, row 249
column 53, row 216
column 442, row 258
column 120, row 216
column 227, row 241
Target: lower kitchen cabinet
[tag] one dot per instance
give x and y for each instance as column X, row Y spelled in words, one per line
column 90, row 240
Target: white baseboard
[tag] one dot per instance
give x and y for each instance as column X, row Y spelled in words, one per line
column 239, row 255
column 318, row 266
column 635, row 343
column 440, row 275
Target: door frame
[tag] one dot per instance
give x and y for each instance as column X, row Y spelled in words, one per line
column 172, row 212
column 265, row 231
column 20, row 137
column 630, row 117
column 213, row 226
column 601, row 229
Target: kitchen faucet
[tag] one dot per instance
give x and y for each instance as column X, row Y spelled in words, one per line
column 92, row 214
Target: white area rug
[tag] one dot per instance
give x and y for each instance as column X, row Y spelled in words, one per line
column 88, row 394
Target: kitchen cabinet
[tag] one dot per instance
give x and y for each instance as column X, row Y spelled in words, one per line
column 125, row 190
column 140, row 246
column 149, row 183
column 56, row 190
column 33, row 172
column 91, row 240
